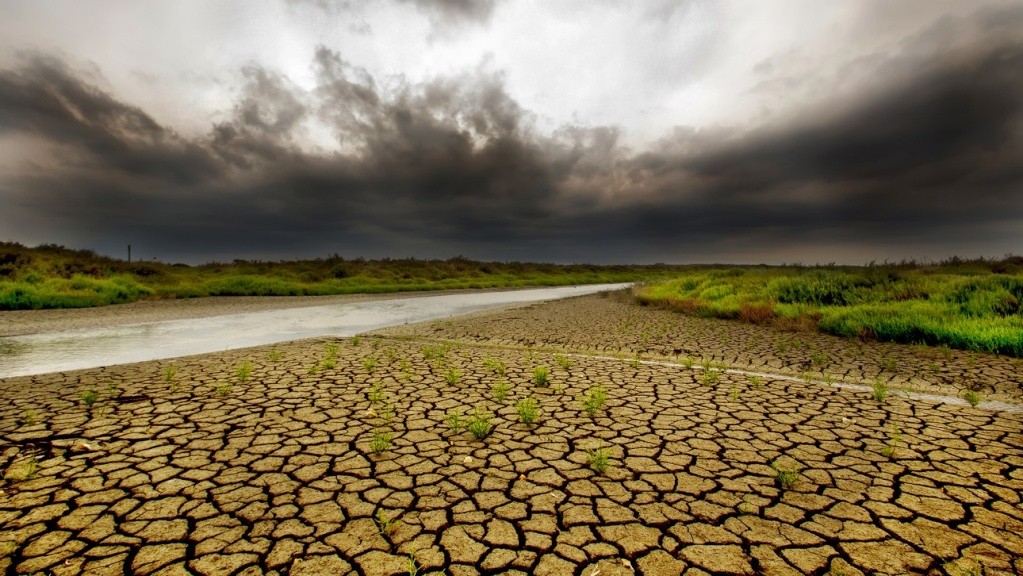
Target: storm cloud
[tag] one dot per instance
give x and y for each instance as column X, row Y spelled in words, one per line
column 923, row 158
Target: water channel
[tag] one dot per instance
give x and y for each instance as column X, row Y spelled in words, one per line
column 75, row 349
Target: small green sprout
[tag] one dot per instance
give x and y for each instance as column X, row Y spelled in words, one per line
column 541, row 376
column 528, row 409
column 500, row 390
column 594, row 399
column 452, row 376
column 785, row 476
column 599, row 458
column 480, row 423
column 380, row 442
column 244, row 371
column 454, row 420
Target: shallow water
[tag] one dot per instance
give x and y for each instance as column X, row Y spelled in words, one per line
column 75, row 349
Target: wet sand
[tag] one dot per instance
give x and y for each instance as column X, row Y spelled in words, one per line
column 260, row 461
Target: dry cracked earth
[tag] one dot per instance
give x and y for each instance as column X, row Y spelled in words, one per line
column 352, row 456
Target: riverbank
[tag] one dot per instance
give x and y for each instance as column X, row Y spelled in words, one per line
column 335, row 456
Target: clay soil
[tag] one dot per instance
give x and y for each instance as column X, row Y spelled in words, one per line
column 262, row 461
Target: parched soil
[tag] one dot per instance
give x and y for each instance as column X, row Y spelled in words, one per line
column 261, row 461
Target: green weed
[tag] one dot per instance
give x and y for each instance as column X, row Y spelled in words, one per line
column 599, row 458
column 709, row 377
column 376, row 393
column 89, row 397
column 528, row 409
column 274, row 355
column 480, row 423
column 380, row 442
column 594, row 399
column 756, row 381
column 454, row 420
column 222, row 388
column 541, row 376
column 973, row 397
column 563, row 361
column 494, row 365
column 733, row 394
column 386, row 523
column 369, row 363
column 452, row 376
column 29, row 417
column 356, row 340
column 500, row 390
column 894, row 437
column 785, row 476
column 880, row 389
column 22, row 471
column 244, row 371
column 327, row 364
column 332, row 349
column 169, row 373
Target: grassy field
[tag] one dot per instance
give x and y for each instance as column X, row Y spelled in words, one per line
column 56, row 277
column 971, row 305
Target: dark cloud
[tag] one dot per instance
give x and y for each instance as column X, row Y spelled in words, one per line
column 456, row 166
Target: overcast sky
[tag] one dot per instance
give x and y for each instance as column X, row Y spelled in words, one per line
column 599, row 131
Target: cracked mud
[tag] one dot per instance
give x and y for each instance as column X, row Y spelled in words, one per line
column 338, row 456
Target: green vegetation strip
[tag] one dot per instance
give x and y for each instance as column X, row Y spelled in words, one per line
column 51, row 276
column 970, row 305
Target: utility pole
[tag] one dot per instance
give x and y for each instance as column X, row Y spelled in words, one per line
column 129, row 253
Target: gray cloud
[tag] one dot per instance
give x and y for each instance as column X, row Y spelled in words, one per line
column 455, row 165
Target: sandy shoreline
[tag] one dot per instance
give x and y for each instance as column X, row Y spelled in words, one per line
column 261, row 461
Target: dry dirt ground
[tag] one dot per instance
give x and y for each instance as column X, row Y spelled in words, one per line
column 264, row 460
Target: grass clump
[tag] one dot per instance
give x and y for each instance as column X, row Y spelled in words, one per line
column 222, row 388
column 563, row 361
column 880, row 389
column 244, row 371
column 500, row 390
column 785, row 476
column 28, row 418
column 599, row 458
column 274, row 355
column 528, row 409
column 22, row 471
column 452, row 376
column 894, row 437
column 454, row 420
column 369, row 363
column 380, row 441
column 495, row 366
column 594, row 399
column 376, row 393
column 709, row 377
column 89, row 397
column 973, row 397
column 541, row 376
column 386, row 523
column 480, row 423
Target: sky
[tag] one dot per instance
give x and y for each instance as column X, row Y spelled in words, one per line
column 688, row 131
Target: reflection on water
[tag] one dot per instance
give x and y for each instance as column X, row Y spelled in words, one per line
column 75, row 349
